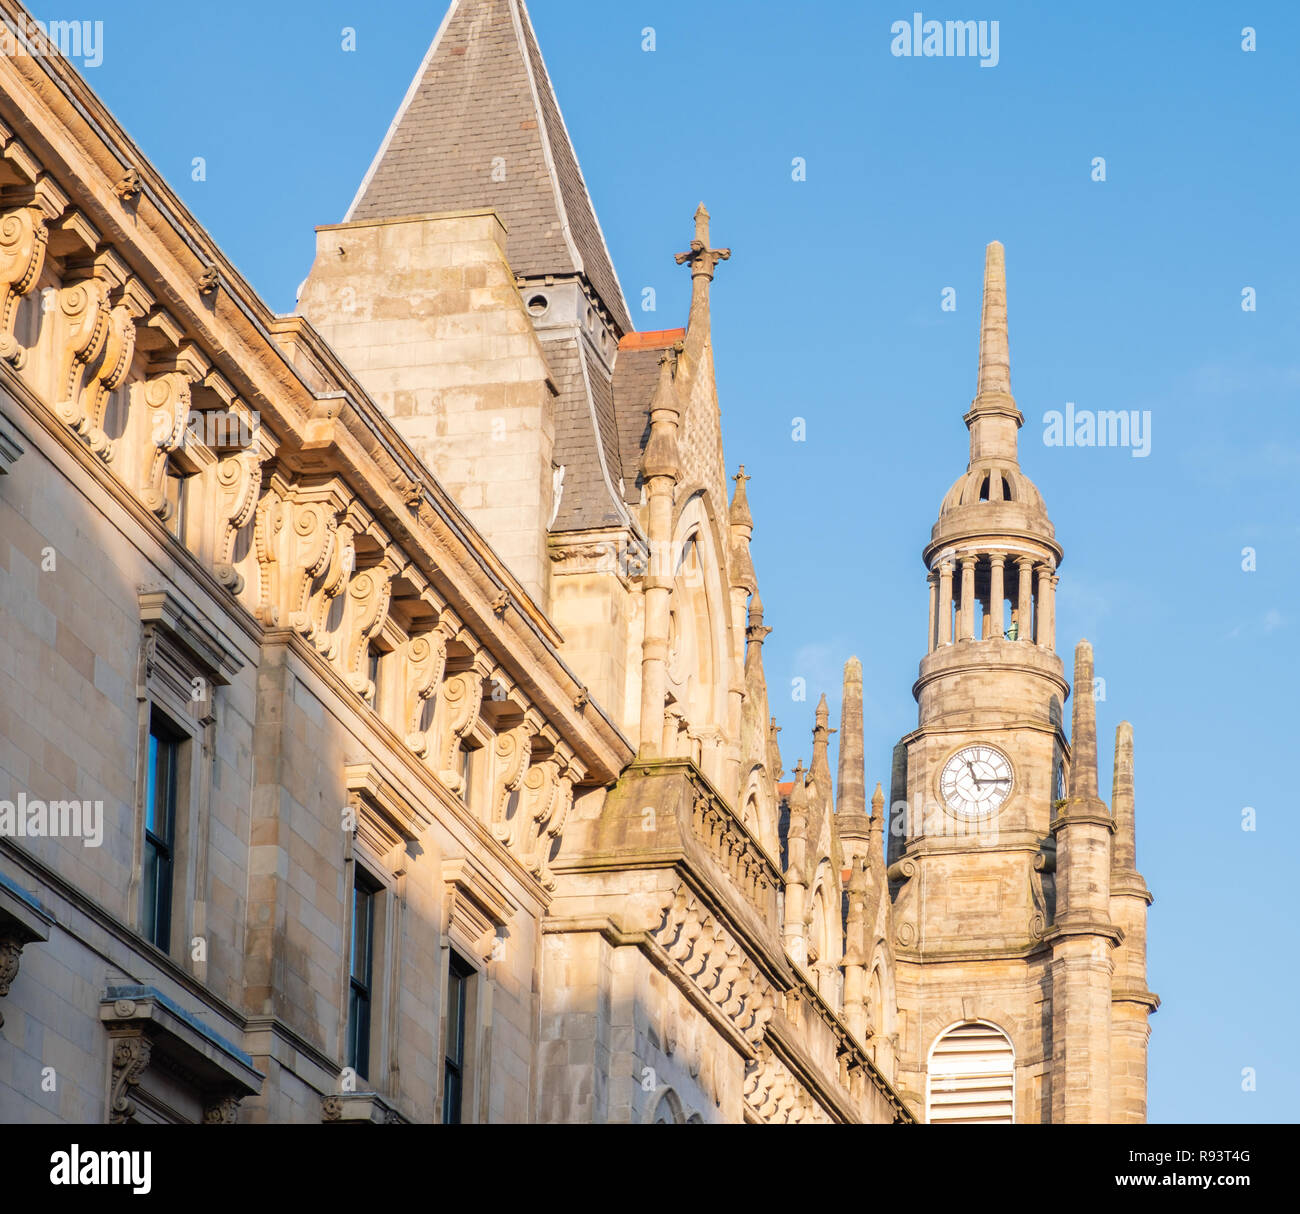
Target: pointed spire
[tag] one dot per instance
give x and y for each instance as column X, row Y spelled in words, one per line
column 876, row 836
column 852, row 797
column 481, row 127
column 1083, row 734
column 1123, row 856
column 661, row 456
column 995, row 355
column 993, row 418
column 799, row 793
column 820, row 771
column 774, row 749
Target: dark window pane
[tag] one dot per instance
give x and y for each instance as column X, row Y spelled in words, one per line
column 160, row 832
column 360, row 968
column 458, row 979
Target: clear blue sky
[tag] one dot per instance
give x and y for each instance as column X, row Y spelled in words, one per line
column 1123, row 295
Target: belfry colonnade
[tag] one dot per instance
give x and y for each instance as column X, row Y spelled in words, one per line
column 1015, row 594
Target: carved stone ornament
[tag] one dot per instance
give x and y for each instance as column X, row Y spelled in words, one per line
column 130, row 1061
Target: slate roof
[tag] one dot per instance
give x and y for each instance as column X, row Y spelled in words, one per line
column 482, row 100
column 584, row 433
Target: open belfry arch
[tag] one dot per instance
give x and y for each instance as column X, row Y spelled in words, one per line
column 482, row 808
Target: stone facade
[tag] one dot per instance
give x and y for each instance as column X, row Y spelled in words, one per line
column 403, row 659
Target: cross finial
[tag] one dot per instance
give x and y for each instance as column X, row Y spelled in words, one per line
column 740, row 478
column 702, row 258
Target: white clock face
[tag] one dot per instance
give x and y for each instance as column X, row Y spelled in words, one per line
column 976, row 781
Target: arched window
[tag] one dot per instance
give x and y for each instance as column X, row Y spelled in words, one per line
column 972, row 1076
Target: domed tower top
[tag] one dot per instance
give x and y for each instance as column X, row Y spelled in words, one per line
column 992, row 556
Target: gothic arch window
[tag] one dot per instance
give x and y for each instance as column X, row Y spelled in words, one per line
column 669, row 1109
column 971, row 1077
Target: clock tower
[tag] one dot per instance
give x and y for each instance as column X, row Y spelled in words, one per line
column 1008, row 938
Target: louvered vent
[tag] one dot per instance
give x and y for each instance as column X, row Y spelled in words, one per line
column 972, row 1077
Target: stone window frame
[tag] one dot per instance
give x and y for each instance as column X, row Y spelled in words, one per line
column 179, row 654
column 477, row 913
column 381, row 821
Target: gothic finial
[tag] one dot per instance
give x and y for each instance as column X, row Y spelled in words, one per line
column 1083, row 733
column 740, row 515
column 703, row 259
column 878, row 801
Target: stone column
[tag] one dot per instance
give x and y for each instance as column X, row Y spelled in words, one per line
column 660, row 469
column 945, row 603
column 1025, row 599
column 997, row 592
column 1047, row 607
column 966, row 618
column 933, row 583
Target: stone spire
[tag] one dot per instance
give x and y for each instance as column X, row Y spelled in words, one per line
column 1123, row 856
column 820, row 771
column 1131, row 1001
column 740, row 515
column 995, row 355
column 774, row 749
column 703, row 261
column 852, row 792
column 993, row 418
column 1083, row 733
column 481, row 101
column 877, row 835
column 741, row 523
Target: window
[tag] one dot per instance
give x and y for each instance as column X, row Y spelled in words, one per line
column 374, row 658
column 178, row 493
column 459, row 977
column 361, row 973
column 972, row 1076
column 466, row 772
column 159, row 832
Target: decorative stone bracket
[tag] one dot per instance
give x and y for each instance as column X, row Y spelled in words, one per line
column 23, row 921
column 148, row 1029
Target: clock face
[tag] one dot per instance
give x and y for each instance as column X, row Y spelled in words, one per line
column 976, row 781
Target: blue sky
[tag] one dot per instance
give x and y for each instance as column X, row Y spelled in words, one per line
column 1123, row 294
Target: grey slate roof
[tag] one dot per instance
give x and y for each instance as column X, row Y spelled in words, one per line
column 636, row 373
column 482, row 99
column 584, row 432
